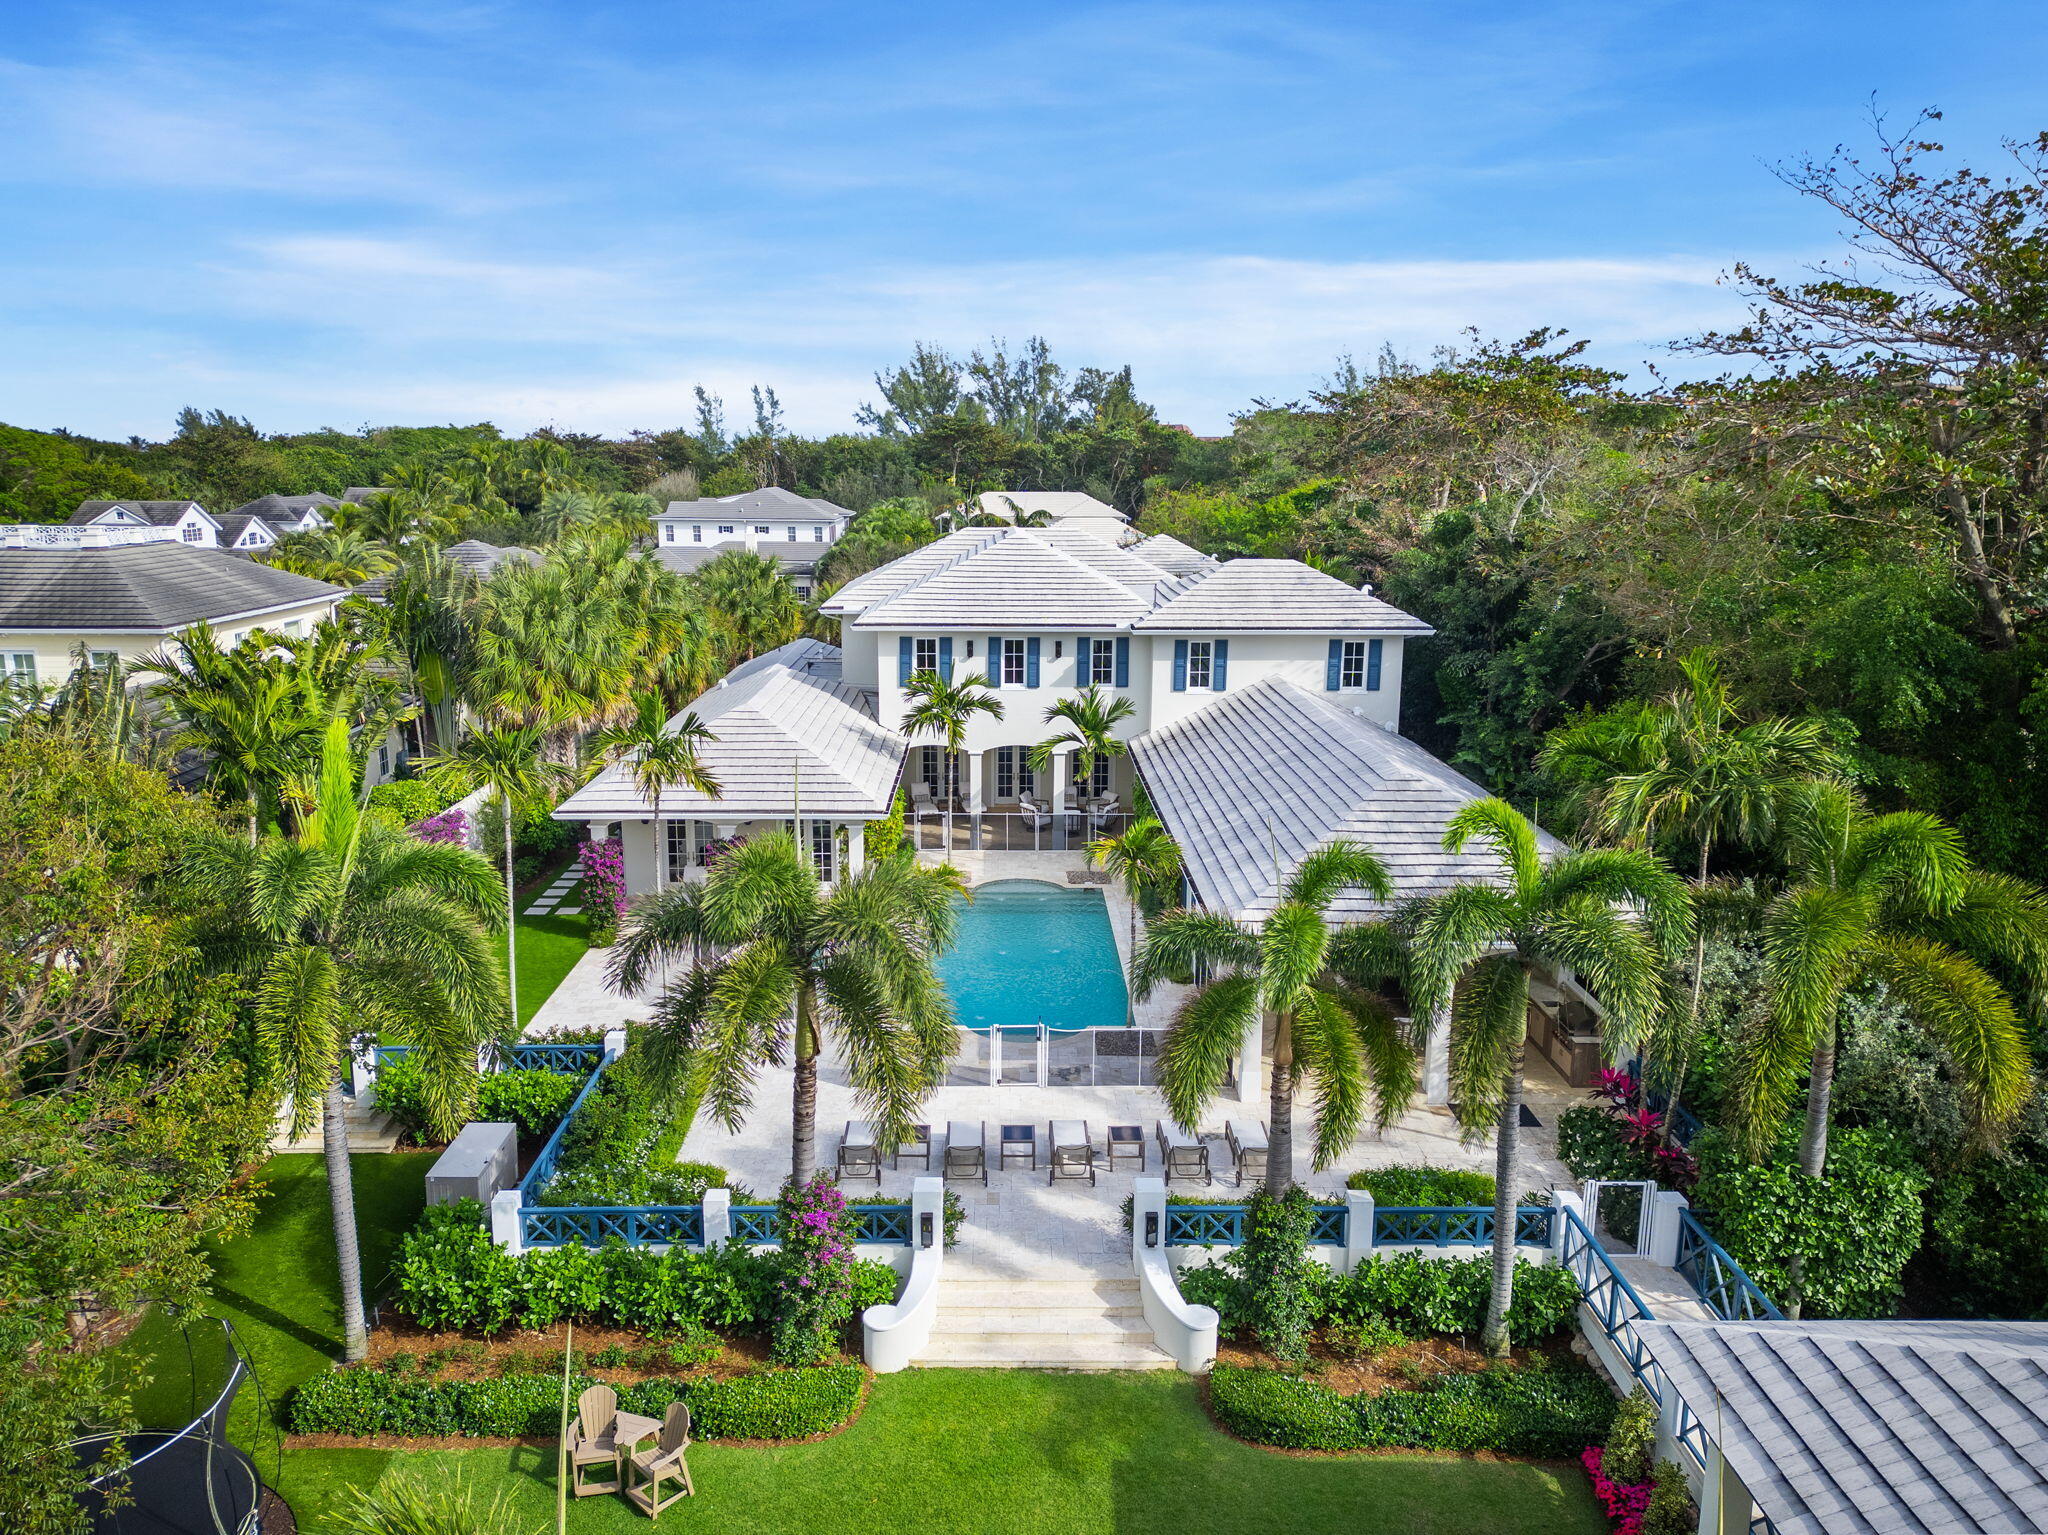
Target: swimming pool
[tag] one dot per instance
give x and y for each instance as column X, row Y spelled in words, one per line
column 1031, row 953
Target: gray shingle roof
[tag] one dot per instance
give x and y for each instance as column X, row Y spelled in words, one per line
column 778, row 731
column 770, row 501
column 1260, row 777
column 800, row 559
column 142, row 588
column 472, row 554
column 1017, row 578
column 234, row 524
column 276, row 508
column 1873, row 1426
column 1171, row 555
column 1274, row 594
column 357, row 494
column 160, row 514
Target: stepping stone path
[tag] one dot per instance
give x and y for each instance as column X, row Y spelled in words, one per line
column 545, row 904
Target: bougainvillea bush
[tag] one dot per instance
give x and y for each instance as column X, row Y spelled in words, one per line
column 817, row 1288
column 604, row 888
column 449, row 826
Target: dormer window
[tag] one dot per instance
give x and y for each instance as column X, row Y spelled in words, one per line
column 192, row 533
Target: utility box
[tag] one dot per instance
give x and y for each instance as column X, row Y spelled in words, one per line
column 481, row 1160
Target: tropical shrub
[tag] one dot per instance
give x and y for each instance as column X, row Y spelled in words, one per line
column 762, row 1404
column 1850, row 1233
column 1624, row 1501
column 603, row 889
column 1449, row 1296
column 408, row 799
column 1632, row 1439
column 533, row 1100
column 1282, row 1283
column 1986, row 1251
column 815, row 1296
column 411, row 1504
column 449, row 826
column 1537, row 1411
column 1670, row 1510
column 1436, row 1187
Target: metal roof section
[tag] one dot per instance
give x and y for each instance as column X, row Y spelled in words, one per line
column 1261, row 777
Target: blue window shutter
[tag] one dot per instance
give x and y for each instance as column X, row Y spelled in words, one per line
column 1123, row 662
column 1219, row 671
column 995, row 660
column 946, row 656
column 1084, row 662
column 1333, row 678
column 1372, row 664
column 1031, row 662
column 1180, row 666
column 903, row 661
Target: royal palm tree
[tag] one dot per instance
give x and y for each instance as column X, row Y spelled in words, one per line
column 1681, row 770
column 349, row 930
column 1891, row 898
column 1473, row 948
column 663, row 756
column 1325, row 1029
column 856, row 963
column 1144, row 859
column 507, row 760
column 1091, row 718
column 945, row 709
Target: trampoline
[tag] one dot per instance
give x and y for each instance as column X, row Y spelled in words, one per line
column 183, row 1478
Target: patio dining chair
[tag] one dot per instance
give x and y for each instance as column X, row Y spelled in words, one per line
column 1035, row 815
column 1247, row 1139
column 859, row 1156
column 966, row 1150
column 1073, row 1151
column 1181, row 1155
column 593, row 1441
column 663, row 1461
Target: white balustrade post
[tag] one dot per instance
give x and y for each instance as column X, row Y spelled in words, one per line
column 614, row 1044
column 1148, row 1197
column 1563, row 1200
column 927, row 1197
column 1358, row 1219
column 505, row 1225
column 717, row 1217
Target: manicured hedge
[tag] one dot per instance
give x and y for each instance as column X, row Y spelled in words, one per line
column 1406, row 1187
column 1550, row 1412
column 764, row 1404
column 1418, row 1296
column 533, row 1100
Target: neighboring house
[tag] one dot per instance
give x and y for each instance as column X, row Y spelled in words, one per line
column 290, row 514
column 189, row 522
column 117, row 593
column 794, row 529
column 356, row 495
column 473, row 555
column 1828, row 1428
column 1066, row 508
column 246, row 534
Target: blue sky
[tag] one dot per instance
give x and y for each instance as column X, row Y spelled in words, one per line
column 318, row 214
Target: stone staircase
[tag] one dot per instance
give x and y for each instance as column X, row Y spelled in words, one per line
column 1093, row 1323
column 367, row 1131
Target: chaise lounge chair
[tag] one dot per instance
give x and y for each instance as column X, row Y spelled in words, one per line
column 1073, row 1150
column 1247, row 1138
column 1181, row 1155
column 966, row 1150
column 859, row 1156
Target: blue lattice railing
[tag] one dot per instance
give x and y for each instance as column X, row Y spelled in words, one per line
column 569, row 1060
column 1456, row 1225
column 1205, row 1225
column 543, row 1167
column 1331, row 1225
column 593, row 1225
column 884, row 1223
column 754, row 1224
column 1717, row 1279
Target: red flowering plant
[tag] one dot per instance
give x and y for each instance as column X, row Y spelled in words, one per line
column 815, row 1295
column 1625, row 1502
column 1613, row 1085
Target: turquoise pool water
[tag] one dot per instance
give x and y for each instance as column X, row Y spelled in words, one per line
column 1035, row 953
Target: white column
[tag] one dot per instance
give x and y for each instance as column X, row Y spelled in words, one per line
column 972, row 766
column 1436, row 1062
column 856, row 847
column 1661, row 1212
column 614, row 1044
column 1250, row 1056
column 717, row 1217
column 1358, row 1214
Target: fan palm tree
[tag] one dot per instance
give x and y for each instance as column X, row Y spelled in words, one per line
column 1143, row 858
column 856, row 963
column 1891, row 898
column 1339, row 1035
column 507, row 760
column 352, row 929
column 1091, row 717
column 945, row 709
column 753, row 604
column 1473, row 949
column 1682, row 770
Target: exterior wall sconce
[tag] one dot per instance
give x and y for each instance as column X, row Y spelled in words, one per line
column 1151, row 1228
column 924, row 1229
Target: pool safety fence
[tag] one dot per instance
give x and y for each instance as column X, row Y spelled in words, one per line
column 1043, row 1055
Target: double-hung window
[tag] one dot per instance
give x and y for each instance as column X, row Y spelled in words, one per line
column 102, row 660
column 1201, row 664
column 725, row 530
column 1102, row 663
column 924, row 656
column 1013, row 663
column 696, row 532
column 762, row 528
column 668, row 532
column 818, row 535
column 823, row 846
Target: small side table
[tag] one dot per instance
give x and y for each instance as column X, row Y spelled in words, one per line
column 919, row 1145
column 1018, row 1141
column 1126, row 1138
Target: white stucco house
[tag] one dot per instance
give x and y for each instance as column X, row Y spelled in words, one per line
column 1066, row 508
column 791, row 529
column 290, row 514
column 188, row 521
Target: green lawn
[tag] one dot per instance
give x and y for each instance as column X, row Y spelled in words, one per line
column 993, row 1452
column 548, row 950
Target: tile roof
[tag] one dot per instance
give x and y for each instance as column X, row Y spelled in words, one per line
column 141, row 588
column 1073, row 504
column 357, row 494
column 234, row 524
column 1171, row 555
column 160, row 514
column 1260, row 777
column 769, row 501
column 1873, row 1426
column 781, row 733
column 806, row 657
column 1016, row 578
column 1274, row 594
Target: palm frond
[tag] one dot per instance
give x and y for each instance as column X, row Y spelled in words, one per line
column 1329, row 1054
column 1489, row 1018
column 1972, row 1020
column 1505, row 830
column 1207, row 1033
column 658, row 930
column 1449, row 932
column 295, row 1023
column 1617, row 959
column 1328, row 871
column 1625, row 876
column 1178, row 944
column 1293, row 944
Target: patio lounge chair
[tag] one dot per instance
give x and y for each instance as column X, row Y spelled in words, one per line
column 1099, row 812
column 966, row 1150
column 1247, row 1139
column 1181, row 1154
column 1035, row 815
column 921, row 800
column 593, row 1441
column 662, row 1461
column 1073, row 1151
column 859, row 1156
